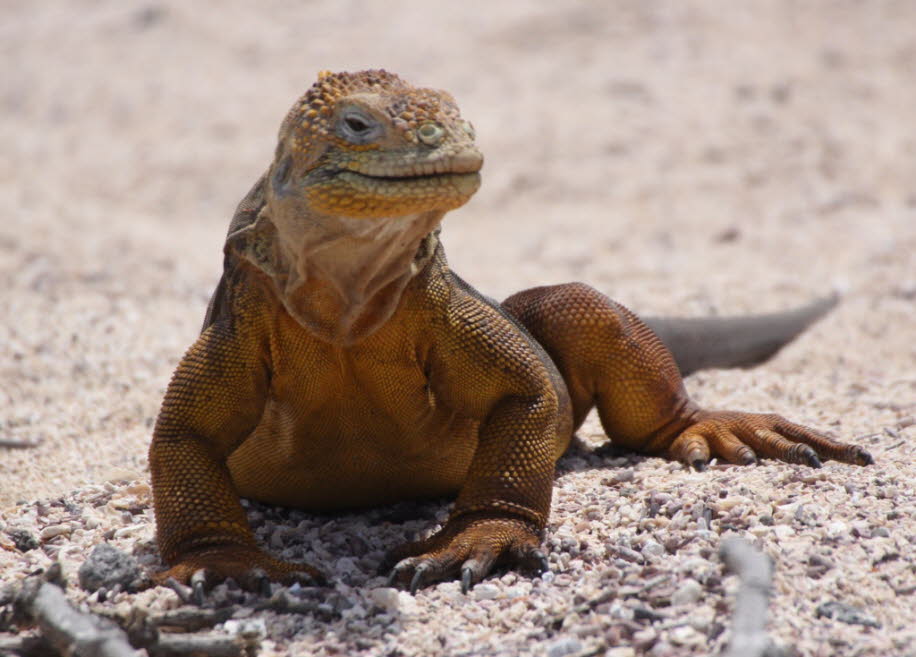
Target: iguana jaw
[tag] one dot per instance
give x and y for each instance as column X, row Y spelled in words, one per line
column 394, row 182
column 357, row 195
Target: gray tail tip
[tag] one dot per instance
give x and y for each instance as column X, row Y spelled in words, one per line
column 813, row 311
column 741, row 341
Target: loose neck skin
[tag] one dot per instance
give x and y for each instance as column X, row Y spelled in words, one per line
column 342, row 278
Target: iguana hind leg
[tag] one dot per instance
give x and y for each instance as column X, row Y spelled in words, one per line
column 610, row 359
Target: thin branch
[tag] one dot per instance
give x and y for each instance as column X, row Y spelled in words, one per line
column 68, row 630
column 755, row 570
column 212, row 645
column 11, row 443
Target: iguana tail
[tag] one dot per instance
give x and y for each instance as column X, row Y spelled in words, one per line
column 717, row 342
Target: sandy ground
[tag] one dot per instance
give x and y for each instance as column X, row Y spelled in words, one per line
column 685, row 157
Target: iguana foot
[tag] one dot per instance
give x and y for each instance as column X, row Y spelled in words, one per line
column 741, row 437
column 470, row 546
column 253, row 569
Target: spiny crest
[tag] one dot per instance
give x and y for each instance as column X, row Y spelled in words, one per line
column 331, row 86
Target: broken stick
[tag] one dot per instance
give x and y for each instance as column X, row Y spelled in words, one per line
column 755, row 570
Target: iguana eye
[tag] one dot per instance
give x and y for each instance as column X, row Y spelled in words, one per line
column 358, row 127
column 356, row 124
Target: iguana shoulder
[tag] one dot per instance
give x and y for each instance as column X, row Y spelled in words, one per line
column 245, row 215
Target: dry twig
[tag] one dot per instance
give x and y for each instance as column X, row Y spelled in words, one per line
column 755, row 570
column 11, row 443
column 68, row 630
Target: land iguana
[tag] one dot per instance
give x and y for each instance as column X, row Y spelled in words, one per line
column 343, row 364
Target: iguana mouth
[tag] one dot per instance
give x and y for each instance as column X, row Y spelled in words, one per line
column 348, row 193
column 407, row 178
column 411, row 167
column 420, row 184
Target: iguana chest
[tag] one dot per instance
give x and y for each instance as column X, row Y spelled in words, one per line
column 352, row 428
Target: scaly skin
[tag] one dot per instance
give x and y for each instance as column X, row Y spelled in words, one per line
column 342, row 364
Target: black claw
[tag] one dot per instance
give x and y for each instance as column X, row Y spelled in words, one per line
column 749, row 459
column 308, row 579
column 302, row 579
column 699, row 465
column 804, row 455
column 263, row 583
column 812, row 459
column 417, row 580
column 393, row 576
column 543, row 563
column 198, row 581
column 466, row 575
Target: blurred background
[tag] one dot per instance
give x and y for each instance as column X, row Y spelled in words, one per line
column 686, row 157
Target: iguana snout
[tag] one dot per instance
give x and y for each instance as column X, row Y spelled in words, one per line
column 369, row 145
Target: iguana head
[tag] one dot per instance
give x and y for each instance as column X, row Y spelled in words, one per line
column 369, row 145
column 365, row 168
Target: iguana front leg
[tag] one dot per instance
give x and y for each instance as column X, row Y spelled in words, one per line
column 214, row 401
column 482, row 366
column 612, row 360
column 501, row 510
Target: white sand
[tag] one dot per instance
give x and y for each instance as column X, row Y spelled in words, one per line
column 685, row 157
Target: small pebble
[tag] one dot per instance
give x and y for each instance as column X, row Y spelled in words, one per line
column 837, row 529
column 686, row 636
column 845, row 614
column 515, row 591
column 783, row 531
column 23, row 540
column 53, row 531
column 109, row 567
column 623, row 476
column 622, row 651
column 653, row 549
column 486, row 592
column 663, row 649
column 644, row 637
column 248, row 629
column 693, row 565
column 562, row 647
column 687, row 593
column 386, row 597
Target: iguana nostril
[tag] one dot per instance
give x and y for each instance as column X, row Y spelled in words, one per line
column 430, row 133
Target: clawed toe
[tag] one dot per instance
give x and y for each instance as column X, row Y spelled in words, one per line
column 306, row 579
column 467, row 576
column 543, row 565
column 812, row 458
column 260, row 582
column 861, row 457
column 739, row 437
column 418, row 576
column 467, row 549
column 199, row 587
